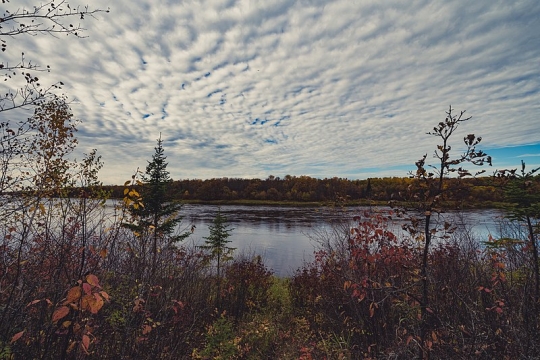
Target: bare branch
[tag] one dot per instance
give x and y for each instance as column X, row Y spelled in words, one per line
column 49, row 18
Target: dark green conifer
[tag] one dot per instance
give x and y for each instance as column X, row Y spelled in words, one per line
column 216, row 242
column 158, row 218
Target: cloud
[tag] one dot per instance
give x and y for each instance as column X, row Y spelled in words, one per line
column 528, row 155
column 322, row 88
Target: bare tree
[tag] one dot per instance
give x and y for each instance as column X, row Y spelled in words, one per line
column 21, row 88
column 50, row 18
column 431, row 188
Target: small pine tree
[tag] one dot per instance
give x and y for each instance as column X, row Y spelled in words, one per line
column 158, row 218
column 216, row 243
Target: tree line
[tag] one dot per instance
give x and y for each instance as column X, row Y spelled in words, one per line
column 480, row 191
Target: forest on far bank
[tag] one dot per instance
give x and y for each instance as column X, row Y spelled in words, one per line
column 472, row 192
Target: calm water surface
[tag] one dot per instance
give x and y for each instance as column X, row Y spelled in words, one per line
column 287, row 236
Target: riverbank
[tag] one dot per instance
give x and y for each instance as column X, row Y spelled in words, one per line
column 272, row 203
column 351, row 203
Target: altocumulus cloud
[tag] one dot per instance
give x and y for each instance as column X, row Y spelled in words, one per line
column 322, row 88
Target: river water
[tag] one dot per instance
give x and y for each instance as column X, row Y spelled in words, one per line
column 286, row 237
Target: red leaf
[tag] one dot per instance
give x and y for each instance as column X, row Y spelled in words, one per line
column 87, row 288
column 17, row 336
column 60, row 313
column 85, row 343
column 32, row 302
column 146, row 329
column 409, row 339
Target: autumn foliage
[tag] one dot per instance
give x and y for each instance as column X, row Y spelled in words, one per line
column 367, row 288
column 83, row 276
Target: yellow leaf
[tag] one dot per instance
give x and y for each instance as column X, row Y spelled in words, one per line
column 127, row 183
column 92, row 303
column 92, row 280
column 104, row 295
column 126, row 190
column 71, row 346
column 73, row 295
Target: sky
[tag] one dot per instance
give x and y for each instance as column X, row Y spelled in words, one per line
column 248, row 89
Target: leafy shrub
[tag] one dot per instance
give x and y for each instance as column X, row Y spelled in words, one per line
column 246, row 287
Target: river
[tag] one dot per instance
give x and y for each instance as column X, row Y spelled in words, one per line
column 287, row 236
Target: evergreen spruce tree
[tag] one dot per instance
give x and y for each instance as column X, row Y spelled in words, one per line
column 157, row 219
column 216, row 242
